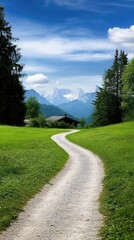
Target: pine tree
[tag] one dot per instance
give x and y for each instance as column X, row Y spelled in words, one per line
column 113, row 82
column 12, row 108
column 108, row 101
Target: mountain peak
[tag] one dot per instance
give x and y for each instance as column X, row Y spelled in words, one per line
column 62, row 95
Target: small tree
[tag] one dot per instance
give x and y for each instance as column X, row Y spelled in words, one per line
column 12, row 107
column 33, row 108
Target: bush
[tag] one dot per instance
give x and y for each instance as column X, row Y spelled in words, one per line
column 34, row 122
column 39, row 121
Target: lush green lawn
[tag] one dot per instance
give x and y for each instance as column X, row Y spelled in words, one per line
column 28, row 159
column 115, row 145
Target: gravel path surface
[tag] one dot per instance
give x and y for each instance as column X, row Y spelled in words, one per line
column 67, row 208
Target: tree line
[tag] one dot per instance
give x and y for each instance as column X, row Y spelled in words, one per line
column 114, row 101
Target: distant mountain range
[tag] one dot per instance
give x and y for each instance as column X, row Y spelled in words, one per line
column 59, row 96
column 61, row 101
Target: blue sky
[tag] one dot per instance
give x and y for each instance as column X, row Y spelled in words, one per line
column 70, row 43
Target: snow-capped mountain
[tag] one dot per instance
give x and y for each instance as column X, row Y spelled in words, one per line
column 74, row 94
column 60, row 96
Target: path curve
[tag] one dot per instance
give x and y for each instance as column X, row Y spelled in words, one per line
column 66, row 209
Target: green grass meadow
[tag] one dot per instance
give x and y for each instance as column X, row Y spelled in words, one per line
column 115, row 146
column 28, row 160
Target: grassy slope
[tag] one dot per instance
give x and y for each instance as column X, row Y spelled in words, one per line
column 28, row 159
column 115, row 145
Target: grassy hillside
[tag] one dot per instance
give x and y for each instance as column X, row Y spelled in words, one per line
column 28, row 159
column 115, row 145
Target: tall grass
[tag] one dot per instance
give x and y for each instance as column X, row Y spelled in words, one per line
column 28, row 159
column 115, row 146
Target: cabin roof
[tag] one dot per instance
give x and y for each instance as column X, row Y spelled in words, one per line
column 55, row 118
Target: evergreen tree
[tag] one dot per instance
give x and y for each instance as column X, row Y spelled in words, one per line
column 128, row 91
column 12, row 108
column 108, row 100
column 104, row 114
column 113, row 82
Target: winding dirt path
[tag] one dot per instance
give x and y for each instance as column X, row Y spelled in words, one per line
column 66, row 209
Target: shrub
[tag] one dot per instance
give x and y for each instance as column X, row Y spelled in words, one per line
column 39, row 121
column 34, row 122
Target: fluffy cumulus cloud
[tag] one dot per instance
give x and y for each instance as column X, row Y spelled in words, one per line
column 37, row 79
column 122, row 36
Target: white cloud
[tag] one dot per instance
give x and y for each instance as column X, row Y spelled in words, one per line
column 38, row 68
column 87, row 82
column 67, row 48
column 61, row 42
column 122, row 36
column 37, row 79
column 89, row 57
